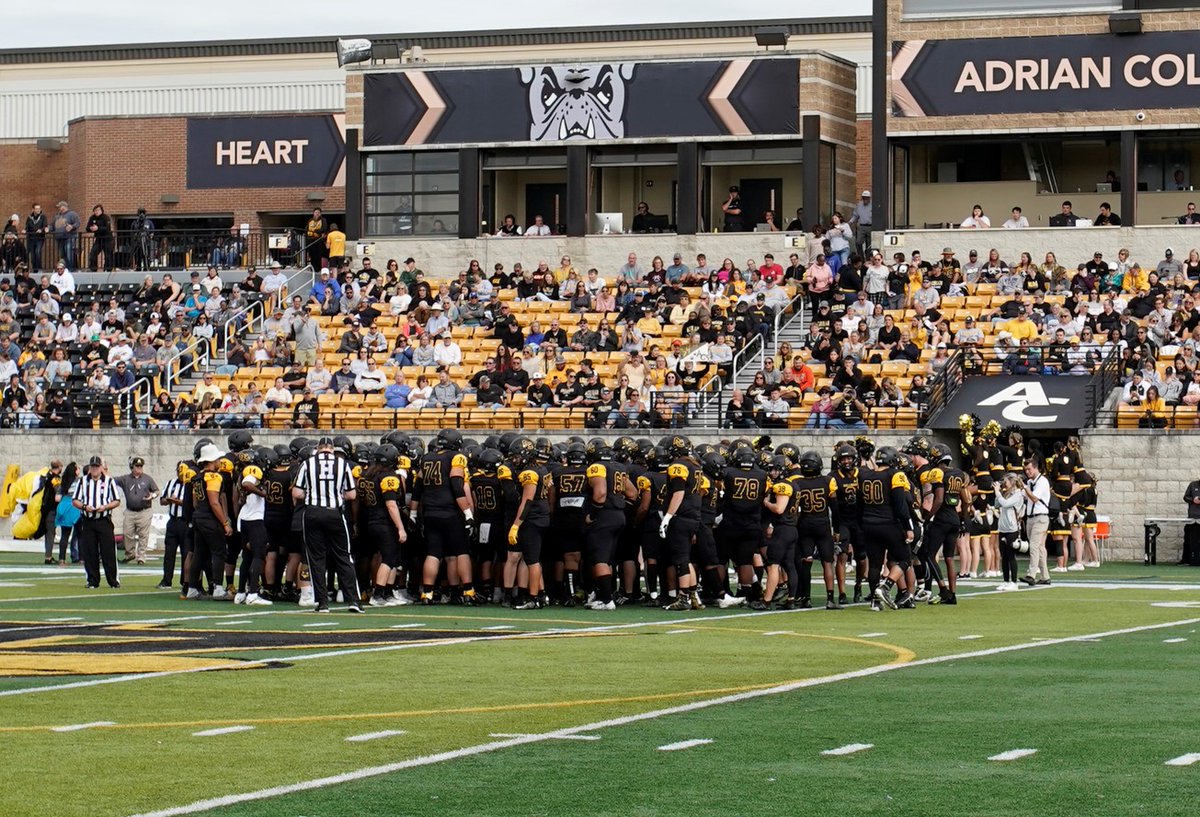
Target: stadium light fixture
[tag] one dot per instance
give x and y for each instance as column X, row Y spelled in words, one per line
column 352, row 51
column 767, row 37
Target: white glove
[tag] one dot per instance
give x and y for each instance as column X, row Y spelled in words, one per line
column 662, row 526
column 717, row 521
column 412, row 514
column 469, row 514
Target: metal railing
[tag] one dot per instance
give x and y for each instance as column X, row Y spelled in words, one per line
column 250, row 318
column 170, row 248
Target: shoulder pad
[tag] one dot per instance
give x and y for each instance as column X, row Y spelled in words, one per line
column 899, row 480
column 677, row 471
column 458, row 461
column 528, row 477
column 503, row 472
column 596, row 470
column 252, row 471
column 643, row 484
column 390, row 484
column 783, row 488
column 212, row 480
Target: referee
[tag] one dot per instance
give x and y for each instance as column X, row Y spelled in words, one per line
column 95, row 495
column 323, row 483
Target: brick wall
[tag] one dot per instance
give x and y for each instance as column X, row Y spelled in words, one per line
column 28, row 175
column 126, row 163
column 862, row 156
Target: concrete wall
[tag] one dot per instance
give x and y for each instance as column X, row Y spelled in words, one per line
column 1072, row 246
column 1139, row 473
column 440, row 257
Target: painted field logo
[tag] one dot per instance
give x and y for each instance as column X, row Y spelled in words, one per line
column 1021, row 397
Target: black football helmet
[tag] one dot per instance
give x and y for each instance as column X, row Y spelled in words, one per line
column 448, row 439
column 887, row 457
column 846, row 456
column 713, row 465
column 917, row 446
column 522, row 451
column 940, row 454
column 810, row 464
column 788, row 450
column 386, row 454
column 578, row 453
column 489, row 460
column 283, row 454
column 679, row 446
column 744, row 457
column 240, row 440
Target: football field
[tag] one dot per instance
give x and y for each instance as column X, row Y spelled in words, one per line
column 1079, row 698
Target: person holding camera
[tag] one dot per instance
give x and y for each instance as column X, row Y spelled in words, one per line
column 848, row 410
column 1036, row 493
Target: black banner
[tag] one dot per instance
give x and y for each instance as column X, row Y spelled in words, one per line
column 582, row 102
column 1029, row 401
column 1009, row 75
column 264, row 151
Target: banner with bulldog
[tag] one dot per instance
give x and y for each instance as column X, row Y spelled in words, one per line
column 582, row 102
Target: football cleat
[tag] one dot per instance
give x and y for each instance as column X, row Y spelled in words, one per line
column 601, row 605
column 378, row 601
column 680, row 604
column 922, row 595
column 240, row 598
column 883, row 598
column 192, row 594
column 220, row 594
column 255, row 599
column 726, row 601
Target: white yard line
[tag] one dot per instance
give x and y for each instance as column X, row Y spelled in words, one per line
column 848, row 749
column 684, row 744
column 1013, row 754
column 498, row 627
column 526, row 735
column 969, row 637
column 1174, row 640
column 1184, row 760
column 694, row 706
column 76, row 727
column 407, row 626
column 871, row 635
column 387, row 733
column 224, row 730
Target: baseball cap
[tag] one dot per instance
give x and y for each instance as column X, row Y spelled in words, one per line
column 95, row 460
column 136, row 462
column 410, row 260
column 538, row 375
column 195, row 287
column 1170, row 251
column 866, row 194
column 68, row 317
column 947, row 251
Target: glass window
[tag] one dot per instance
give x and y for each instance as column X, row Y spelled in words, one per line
column 412, row 193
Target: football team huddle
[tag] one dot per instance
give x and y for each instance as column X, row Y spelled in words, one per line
column 530, row 523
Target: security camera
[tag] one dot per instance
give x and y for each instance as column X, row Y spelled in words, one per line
column 1140, row 116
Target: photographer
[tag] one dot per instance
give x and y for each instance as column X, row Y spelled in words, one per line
column 1009, row 500
column 143, row 240
column 848, row 410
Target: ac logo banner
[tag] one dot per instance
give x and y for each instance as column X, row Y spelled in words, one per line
column 1008, row 75
column 581, row 102
column 265, row 151
column 1033, row 402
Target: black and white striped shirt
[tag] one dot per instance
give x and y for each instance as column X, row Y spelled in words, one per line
column 324, row 477
column 95, row 492
column 174, row 490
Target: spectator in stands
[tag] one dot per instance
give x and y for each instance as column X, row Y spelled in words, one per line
column 447, row 353
column 446, row 394
column 489, row 395
column 59, row 368
column 471, row 313
column 927, row 296
column 1025, row 360
column 306, row 412
column 1155, row 410
column 1169, row 266
column 1106, row 218
column 918, row 394
column 295, row 378
column 308, row 338
column 438, row 321
column 631, row 272
column 538, row 395
column 818, row 281
column 122, row 377
column 318, row 379
column 515, row 379
column 773, row 409
column 278, row 396
column 232, row 413
column 206, row 386
column 396, row 395
column 341, row 381
column 538, row 228
column 1065, row 218
column 421, row 393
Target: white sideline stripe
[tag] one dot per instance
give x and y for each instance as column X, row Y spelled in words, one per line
column 684, row 744
column 1013, row 754
column 558, row 737
column 85, row 596
column 1184, row 760
column 235, row 623
column 1174, row 640
column 871, row 635
column 16, row 584
column 848, row 749
column 407, row 626
column 322, row 624
column 75, row 727
column 694, row 706
column 59, row 620
column 498, row 627
column 969, row 637
column 678, row 632
column 447, row 642
column 224, row 730
column 781, row 632
column 386, row 733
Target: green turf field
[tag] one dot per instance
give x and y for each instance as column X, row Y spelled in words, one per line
column 133, row 702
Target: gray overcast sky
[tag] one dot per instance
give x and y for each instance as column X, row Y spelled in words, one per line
column 74, row 22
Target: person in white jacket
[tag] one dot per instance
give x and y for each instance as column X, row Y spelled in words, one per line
column 1009, row 502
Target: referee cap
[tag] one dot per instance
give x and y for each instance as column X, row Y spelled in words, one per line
column 209, row 453
column 326, row 442
column 95, row 461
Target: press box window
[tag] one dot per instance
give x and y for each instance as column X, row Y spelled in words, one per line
column 412, row 193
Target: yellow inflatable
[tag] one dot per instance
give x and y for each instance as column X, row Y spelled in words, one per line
column 7, row 502
column 27, row 497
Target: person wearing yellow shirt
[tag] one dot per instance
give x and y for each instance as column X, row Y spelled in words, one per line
column 335, row 243
column 1021, row 328
column 1155, row 410
column 648, row 324
column 1136, row 280
column 564, row 270
column 917, row 333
